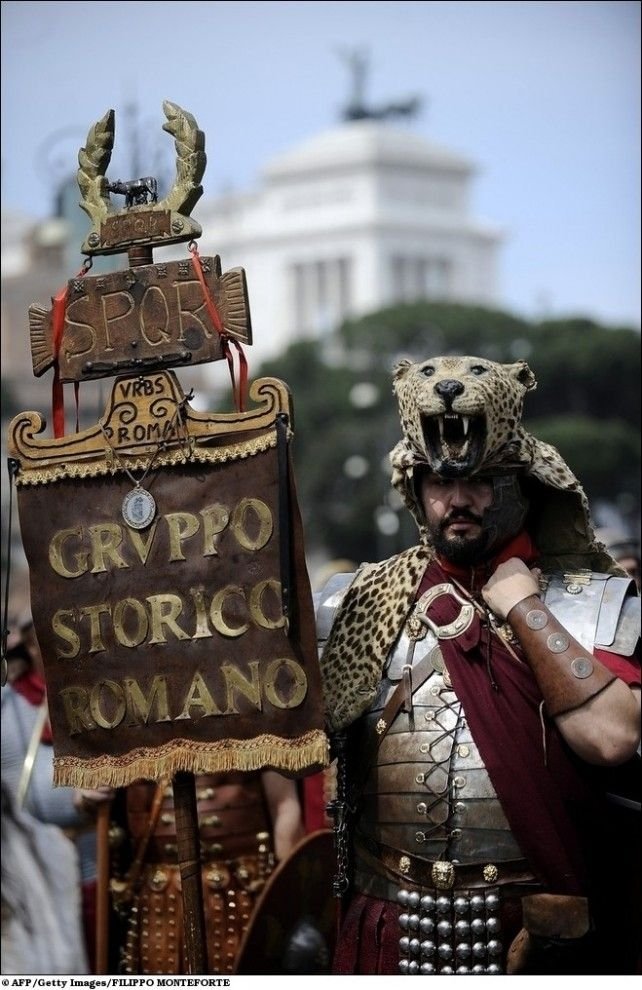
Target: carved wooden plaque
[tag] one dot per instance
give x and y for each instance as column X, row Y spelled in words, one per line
column 142, row 318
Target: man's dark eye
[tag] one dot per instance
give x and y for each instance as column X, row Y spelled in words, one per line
column 428, row 371
column 478, row 369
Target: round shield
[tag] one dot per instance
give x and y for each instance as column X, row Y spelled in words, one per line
column 293, row 926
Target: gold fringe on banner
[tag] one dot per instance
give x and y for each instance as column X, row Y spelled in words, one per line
column 262, row 752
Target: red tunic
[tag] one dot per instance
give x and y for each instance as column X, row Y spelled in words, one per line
column 550, row 797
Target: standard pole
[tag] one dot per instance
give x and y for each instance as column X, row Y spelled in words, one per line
column 102, row 887
column 189, row 861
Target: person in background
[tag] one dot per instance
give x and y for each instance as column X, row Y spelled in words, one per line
column 41, row 926
column 483, row 692
column 27, row 764
column 248, row 822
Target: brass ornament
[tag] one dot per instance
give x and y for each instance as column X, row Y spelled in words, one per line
column 506, row 634
column 381, row 726
column 164, row 222
column 490, row 873
column 443, row 875
column 217, row 877
column 158, row 880
column 581, row 578
column 404, row 864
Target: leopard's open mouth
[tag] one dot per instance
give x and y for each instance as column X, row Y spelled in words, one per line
column 454, row 443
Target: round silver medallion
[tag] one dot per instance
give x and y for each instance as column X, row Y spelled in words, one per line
column 139, row 508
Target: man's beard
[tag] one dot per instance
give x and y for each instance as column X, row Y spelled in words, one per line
column 461, row 550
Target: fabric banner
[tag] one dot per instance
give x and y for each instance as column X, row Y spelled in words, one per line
column 187, row 643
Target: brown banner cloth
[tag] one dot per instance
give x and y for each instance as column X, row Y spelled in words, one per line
column 166, row 649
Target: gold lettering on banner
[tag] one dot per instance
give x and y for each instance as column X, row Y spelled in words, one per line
column 202, row 630
column 182, row 525
column 142, row 542
column 242, row 527
column 66, row 634
column 235, row 681
column 298, row 683
column 100, row 704
column 139, row 707
column 138, row 635
column 166, row 617
column 256, row 605
column 94, row 613
column 101, row 547
column 223, row 692
column 216, row 611
column 198, row 696
column 105, row 540
column 165, row 610
column 56, row 553
column 76, row 705
column 215, row 519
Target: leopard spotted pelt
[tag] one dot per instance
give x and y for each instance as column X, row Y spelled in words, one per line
column 564, row 533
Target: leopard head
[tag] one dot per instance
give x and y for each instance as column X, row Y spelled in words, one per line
column 462, row 414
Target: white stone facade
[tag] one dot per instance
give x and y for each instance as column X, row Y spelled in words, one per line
column 355, row 219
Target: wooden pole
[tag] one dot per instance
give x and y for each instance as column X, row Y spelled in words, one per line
column 102, row 887
column 189, row 861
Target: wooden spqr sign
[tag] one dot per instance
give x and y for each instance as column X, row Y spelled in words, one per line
column 169, row 589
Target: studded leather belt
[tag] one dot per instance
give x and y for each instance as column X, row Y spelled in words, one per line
column 376, row 863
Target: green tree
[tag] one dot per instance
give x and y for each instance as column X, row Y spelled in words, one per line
column 586, row 404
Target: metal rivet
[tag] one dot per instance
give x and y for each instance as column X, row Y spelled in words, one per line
column 582, row 667
column 558, row 642
column 536, row 619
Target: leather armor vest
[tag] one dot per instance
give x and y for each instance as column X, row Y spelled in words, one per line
column 428, row 793
column 428, row 797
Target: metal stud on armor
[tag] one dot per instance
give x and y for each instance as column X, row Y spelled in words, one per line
column 445, row 935
column 430, row 814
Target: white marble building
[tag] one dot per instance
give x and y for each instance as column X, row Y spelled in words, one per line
column 355, row 219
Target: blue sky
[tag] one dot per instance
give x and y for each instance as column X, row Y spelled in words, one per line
column 544, row 97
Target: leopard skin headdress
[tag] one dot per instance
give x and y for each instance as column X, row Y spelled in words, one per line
column 461, row 416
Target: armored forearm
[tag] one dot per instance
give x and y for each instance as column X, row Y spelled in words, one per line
column 567, row 674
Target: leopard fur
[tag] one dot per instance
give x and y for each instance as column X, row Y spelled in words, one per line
column 494, row 392
column 377, row 602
